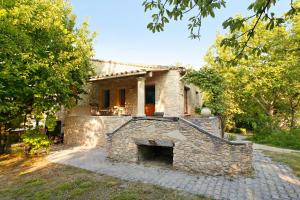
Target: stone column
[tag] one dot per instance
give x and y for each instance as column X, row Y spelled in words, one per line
column 141, row 97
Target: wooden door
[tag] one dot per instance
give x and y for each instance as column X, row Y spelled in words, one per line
column 149, row 100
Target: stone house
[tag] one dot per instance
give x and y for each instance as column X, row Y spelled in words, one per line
column 146, row 112
column 138, row 90
column 119, row 91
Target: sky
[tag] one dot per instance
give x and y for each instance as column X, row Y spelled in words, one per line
column 122, row 34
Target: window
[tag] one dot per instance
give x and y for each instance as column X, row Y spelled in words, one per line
column 106, row 98
column 122, row 97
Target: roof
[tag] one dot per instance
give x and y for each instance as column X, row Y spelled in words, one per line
column 164, row 67
column 132, row 69
column 118, row 75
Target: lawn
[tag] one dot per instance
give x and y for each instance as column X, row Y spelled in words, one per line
column 35, row 178
column 291, row 159
column 283, row 139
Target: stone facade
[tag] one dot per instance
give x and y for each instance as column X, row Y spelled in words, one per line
column 194, row 150
column 209, row 124
column 169, row 89
column 90, row 130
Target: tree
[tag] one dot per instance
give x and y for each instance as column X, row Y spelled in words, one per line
column 167, row 10
column 44, row 57
column 264, row 87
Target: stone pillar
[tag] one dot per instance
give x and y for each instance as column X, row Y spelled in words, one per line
column 141, row 97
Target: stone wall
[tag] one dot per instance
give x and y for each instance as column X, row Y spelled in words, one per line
column 194, row 150
column 170, row 94
column 209, row 124
column 90, row 130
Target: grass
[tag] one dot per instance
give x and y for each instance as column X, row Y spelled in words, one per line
column 230, row 137
column 291, row 159
column 35, row 178
column 283, row 139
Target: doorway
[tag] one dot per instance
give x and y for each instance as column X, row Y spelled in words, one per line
column 186, row 100
column 149, row 100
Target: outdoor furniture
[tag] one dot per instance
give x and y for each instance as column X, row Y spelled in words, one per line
column 118, row 110
column 105, row 112
column 94, row 109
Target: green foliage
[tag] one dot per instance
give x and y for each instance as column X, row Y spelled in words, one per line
column 263, row 90
column 44, row 57
column 165, row 11
column 230, row 126
column 15, row 123
column 175, row 10
column 212, row 84
column 198, row 110
column 242, row 131
column 231, row 137
column 35, row 141
column 51, row 122
column 280, row 138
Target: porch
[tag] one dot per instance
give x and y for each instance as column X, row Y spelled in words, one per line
column 131, row 95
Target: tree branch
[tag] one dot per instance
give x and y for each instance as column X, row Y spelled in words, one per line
column 252, row 30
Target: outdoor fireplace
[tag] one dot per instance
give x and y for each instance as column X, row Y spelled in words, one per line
column 156, row 154
column 179, row 144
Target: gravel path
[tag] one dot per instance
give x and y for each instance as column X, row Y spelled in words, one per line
column 274, row 149
column 272, row 180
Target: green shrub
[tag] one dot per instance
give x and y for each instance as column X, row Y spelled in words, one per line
column 286, row 139
column 229, row 126
column 231, row 137
column 51, row 122
column 16, row 122
column 198, row 110
column 35, row 141
column 243, row 131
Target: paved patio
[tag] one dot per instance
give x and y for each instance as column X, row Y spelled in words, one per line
column 271, row 180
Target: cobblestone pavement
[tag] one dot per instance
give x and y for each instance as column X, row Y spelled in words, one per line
column 271, row 180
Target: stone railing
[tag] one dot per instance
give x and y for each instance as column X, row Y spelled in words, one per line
column 209, row 124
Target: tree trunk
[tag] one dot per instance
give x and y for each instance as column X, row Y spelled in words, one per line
column 4, row 139
column 1, row 141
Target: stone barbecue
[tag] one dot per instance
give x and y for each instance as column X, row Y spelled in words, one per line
column 180, row 143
